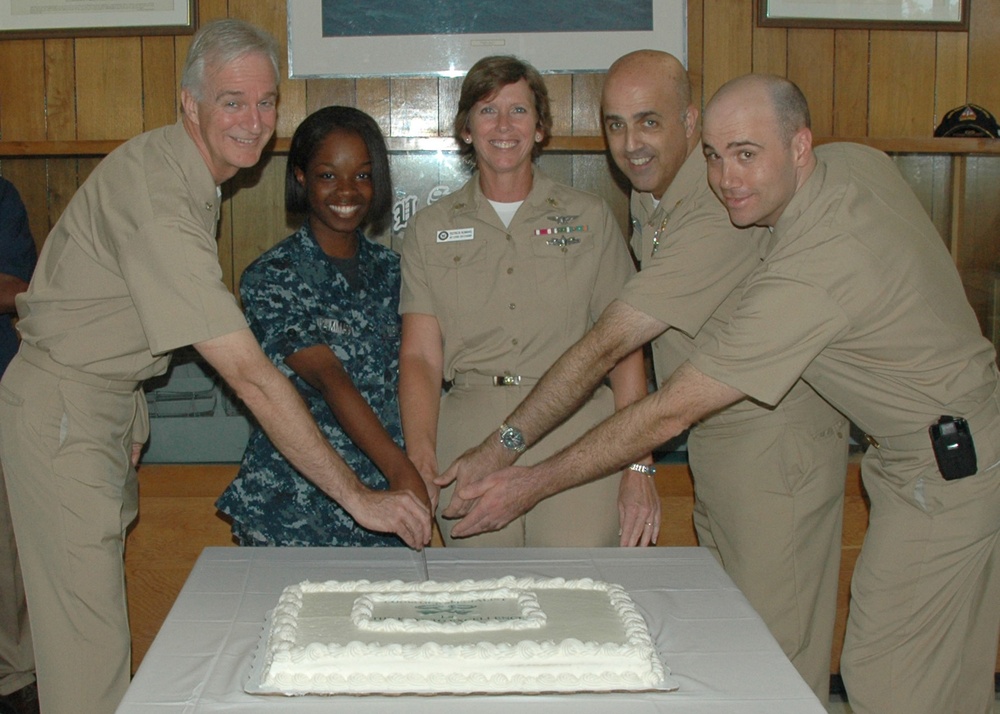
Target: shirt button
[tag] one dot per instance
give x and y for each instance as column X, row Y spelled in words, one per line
column 510, row 271
column 514, row 342
column 508, row 236
column 512, row 306
column 457, row 259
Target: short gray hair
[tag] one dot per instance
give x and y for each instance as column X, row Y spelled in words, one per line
column 220, row 42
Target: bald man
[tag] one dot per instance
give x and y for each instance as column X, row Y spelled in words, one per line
column 857, row 296
column 769, row 482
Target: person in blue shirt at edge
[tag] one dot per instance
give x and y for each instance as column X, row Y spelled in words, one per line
column 323, row 304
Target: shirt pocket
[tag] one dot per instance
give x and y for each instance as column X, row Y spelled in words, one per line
column 460, row 275
column 566, row 267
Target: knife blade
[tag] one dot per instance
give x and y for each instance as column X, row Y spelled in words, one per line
column 423, row 564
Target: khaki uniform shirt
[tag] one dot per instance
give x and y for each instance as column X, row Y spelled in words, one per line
column 690, row 281
column 692, row 258
column 131, row 270
column 859, row 297
column 512, row 300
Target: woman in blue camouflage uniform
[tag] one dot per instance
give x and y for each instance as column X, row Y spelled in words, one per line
column 323, row 304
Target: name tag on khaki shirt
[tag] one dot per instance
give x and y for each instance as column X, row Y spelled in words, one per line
column 455, row 235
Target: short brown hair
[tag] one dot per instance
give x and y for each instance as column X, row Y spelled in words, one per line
column 487, row 77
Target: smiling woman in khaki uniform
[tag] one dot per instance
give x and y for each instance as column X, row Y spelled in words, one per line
column 499, row 278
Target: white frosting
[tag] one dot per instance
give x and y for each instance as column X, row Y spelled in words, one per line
column 562, row 635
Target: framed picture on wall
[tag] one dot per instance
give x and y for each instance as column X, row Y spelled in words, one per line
column 83, row 18
column 332, row 38
column 865, row 14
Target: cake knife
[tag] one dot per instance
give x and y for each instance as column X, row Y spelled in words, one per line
column 423, row 564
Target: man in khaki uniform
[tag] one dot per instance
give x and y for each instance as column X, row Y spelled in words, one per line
column 859, row 297
column 129, row 273
column 768, row 482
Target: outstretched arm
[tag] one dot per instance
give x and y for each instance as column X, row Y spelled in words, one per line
column 284, row 417
column 688, row 396
column 421, row 370
column 638, row 501
column 321, row 369
column 566, row 385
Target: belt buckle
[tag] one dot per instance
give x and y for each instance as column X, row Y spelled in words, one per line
column 506, row 380
column 872, row 441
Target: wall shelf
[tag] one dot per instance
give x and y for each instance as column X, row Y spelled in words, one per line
column 571, row 144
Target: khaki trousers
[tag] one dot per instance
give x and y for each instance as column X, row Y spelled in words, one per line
column 769, row 499
column 65, row 446
column 925, row 597
column 585, row 516
column 17, row 659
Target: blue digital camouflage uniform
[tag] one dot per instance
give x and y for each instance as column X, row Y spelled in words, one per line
column 295, row 297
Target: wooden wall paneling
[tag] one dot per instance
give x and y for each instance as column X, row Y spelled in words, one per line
column 22, row 92
column 161, row 97
column 373, row 98
column 109, row 89
column 850, row 83
column 586, row 105
column 981, row 239
column 728, row 42
column 258, row 212
column 810, row 66
column 60, row 90
column 64, row 177
column 984, row 45
column 449, row 93
column 413, row 105
column 209, row 10
column 979, row 259
column 952, row 71
column 696, row 48
column 562, row 102
column 273, row 17
column 675, row 488
column 770, row 50
column 328, row 92
column 902, row 97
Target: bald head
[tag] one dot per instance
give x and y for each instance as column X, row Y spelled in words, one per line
column 651, row 66
column 758, row 146
column 649, row 122
column 784, row 98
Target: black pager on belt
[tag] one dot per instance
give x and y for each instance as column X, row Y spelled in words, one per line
column 953, row 447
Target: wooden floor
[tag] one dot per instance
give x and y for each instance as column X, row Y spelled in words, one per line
column 177, row 518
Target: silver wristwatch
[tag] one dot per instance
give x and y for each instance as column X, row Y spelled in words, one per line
column 512, row 438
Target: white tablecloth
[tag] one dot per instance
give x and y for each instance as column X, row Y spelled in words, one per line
column 716, row 647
